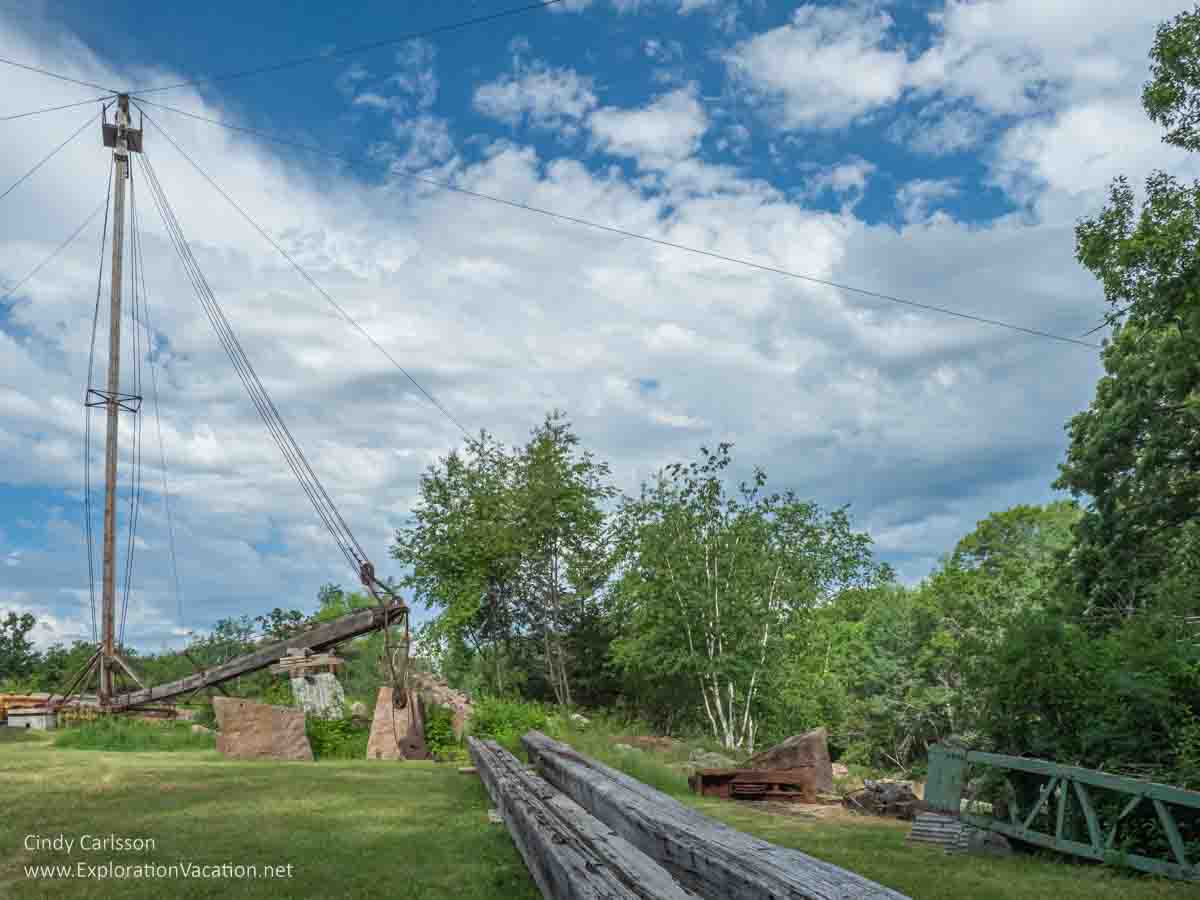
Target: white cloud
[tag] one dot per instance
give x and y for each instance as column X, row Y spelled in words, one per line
column 503, row 314
column 916, row 200
column 827, row 68
column 549, row 98
column 939, row 130
column 845, row 179
column 666, row 130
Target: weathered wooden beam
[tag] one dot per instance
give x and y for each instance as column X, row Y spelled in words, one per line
column 322, row 637
column 705, row 856
column 568, row 852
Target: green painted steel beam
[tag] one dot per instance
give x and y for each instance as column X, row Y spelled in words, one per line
column 1151, row 789
column 1078, row 848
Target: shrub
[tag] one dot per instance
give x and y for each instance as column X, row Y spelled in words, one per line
column 504, row 721
column 439, row 735
column 336, row 738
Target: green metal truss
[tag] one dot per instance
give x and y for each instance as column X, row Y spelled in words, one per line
column 1055, row 806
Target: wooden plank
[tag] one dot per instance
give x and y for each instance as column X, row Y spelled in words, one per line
column 322, row 637
column 705, row 856
column 568, row 852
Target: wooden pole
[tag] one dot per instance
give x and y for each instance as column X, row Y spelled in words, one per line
column 108, row 609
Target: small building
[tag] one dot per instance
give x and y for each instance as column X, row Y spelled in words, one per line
column 38, row 718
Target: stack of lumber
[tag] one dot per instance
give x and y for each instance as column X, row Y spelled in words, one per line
column 940, row 830
column 705, row 856
column 568, row 852
column 300, row 662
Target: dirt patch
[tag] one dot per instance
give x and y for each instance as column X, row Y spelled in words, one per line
column 822, row 811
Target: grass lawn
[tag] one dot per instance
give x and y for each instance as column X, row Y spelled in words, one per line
column 408, row 830
column 350, row 829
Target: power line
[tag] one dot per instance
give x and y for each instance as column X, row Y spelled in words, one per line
column 774, row 270
column 38, row 112
column 304, row 273
column 28, row 68
column 361, row 48
column 57, row 250
column 45, row 159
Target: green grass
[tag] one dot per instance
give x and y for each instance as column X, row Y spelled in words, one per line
column 876, row 849
column 361, row 829
column 129, row 735
column 351, row 829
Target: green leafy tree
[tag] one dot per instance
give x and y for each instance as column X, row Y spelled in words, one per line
column 1135, row 452
column 715, row 582
column 510, row 546
column 565, row 559
column 18, row 658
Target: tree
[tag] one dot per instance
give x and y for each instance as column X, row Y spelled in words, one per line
column 509, row 546
column 279, row 624
column 716, row 583
column 564, row 550
column 17, row 655
column 1135, row 452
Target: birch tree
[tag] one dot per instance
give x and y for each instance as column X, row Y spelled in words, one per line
column 713, row 580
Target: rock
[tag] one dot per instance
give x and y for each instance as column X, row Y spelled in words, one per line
column 358, row 709
column 840, row 771
column 981, row 842
column 320, row 694
column 397, row 733
column 200, row 729
column 259, row 731
column 580, row 719
column 626, row 748
column 703, row 759
column 494, row 817
column 434, row 690
column 184, row 715
column 895, row 799
column 798, row 752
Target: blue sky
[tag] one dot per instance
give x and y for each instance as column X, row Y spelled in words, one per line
column 939, row 151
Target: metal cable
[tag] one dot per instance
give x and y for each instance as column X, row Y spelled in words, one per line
column 87, row 413
column 29, row 68
column 224, row 334
column 236, row 355
column 575, row 220
column 135, row 341
column 38, row 112
column 307, row 277
column 361, row 48
column 162, row 454
column 262, row 401
column 49, row 156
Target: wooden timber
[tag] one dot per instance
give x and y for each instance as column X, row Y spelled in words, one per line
column 322, row 637
column 705, row 856
column 568, row 852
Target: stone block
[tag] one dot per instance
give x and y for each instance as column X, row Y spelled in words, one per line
column 260, row 731
column 797, row 752
column 397, row 733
